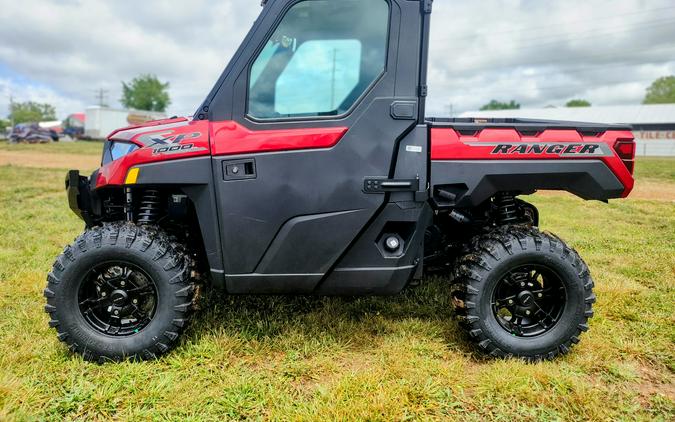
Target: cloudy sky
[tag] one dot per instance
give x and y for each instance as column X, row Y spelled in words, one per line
column 536, row 52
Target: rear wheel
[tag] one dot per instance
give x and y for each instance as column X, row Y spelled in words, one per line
column 120, row 292
column 523, row 293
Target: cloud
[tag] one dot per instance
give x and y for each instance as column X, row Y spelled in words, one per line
column 542, row 53
column 535, row 52
column 78, row 47
column 27, row 91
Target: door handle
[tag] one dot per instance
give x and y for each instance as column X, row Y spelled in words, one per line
column 383, row 185
column 239, row 169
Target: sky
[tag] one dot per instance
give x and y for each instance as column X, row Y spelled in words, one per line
column 538, row 53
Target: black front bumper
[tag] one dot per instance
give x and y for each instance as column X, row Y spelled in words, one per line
column 81, row 198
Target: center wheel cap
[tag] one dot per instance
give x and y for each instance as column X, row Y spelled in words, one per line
column 119, row 297
column 526, row 298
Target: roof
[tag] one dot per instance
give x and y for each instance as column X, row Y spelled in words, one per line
column 78, row 116
column 634, row 114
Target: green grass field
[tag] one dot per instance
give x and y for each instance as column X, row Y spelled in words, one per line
column 658, row 169
column 82, row 148
column 393, row 358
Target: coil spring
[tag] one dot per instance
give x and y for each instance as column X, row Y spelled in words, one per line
column 150, row 206
column 507, row 208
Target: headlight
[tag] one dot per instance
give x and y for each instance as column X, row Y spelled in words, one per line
column 113, row 150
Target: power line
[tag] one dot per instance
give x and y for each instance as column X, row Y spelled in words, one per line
column 555, row 39
column 590, row 35
column 548, row 26
column 576, row 70
column 566, row 60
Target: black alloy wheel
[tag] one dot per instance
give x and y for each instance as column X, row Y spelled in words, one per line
column 520, row 292
column 117, row 298
column 529, row 300
column 121, row 291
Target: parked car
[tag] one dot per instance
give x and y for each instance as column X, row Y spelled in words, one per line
column 32, row 133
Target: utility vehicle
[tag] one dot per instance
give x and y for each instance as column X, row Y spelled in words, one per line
column 311, row 168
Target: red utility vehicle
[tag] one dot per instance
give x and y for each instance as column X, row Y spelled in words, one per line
column 311, row 168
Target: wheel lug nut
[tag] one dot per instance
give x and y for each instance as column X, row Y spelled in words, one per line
column 510, row 301
column 122, row 283
column 118, row 312
column 135, row 301
column 522, row 284
column 540, row 295
column 103, row 294
column 527, row 312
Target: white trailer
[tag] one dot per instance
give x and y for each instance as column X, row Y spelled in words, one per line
column 100, row 121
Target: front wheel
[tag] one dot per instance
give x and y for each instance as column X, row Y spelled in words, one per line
column 120, row 292
column 523, row 293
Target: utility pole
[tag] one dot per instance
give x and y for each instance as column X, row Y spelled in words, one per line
column 11, row 110
column 101, row 95
column 451, row 110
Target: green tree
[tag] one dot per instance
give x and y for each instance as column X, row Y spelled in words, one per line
column 30, row 111
column 578, row 103
column 498, row 105
column 3, row 125
column 661, row 91
column 145, row 92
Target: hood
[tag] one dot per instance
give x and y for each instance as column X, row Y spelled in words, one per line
column 130, row 132
column 157, row 141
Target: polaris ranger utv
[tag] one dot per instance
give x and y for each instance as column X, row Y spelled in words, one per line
column 310, row 168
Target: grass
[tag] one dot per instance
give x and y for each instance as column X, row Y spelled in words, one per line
column 350, row 359
column 78, row 147
column 653, row 168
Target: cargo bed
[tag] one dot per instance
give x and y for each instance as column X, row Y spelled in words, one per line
column 524, row 126
column 472, row 158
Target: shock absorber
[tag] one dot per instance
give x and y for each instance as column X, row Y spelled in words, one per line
column 507, row 208
column 128, row 205
column 149, row 207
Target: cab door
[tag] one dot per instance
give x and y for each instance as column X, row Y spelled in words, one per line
column 312, row 107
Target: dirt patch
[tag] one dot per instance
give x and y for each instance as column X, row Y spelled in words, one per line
column 654, row 190
column 654, row 383
column 49, row 161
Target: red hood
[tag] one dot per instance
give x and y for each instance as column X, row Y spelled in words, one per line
column 160, row 140
column 126, row 133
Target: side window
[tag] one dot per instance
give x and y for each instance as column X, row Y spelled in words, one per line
column 329, row 69
column 322, row 57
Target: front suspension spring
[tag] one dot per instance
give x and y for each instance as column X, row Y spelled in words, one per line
column 149, row 207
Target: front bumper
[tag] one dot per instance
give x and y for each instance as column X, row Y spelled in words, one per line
column 81, row 198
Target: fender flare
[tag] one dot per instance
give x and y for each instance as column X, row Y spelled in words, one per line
column 472, row 182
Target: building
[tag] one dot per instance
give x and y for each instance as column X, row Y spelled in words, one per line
column 101, row 121
column 653, row 125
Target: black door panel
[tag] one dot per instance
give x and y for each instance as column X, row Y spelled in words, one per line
column 308, row 182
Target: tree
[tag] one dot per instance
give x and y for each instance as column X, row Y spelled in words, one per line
column 578, row 103
column 661, row 91
column 3, row 125
column 145, row 92
column 498, row 105
column 30, row 111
